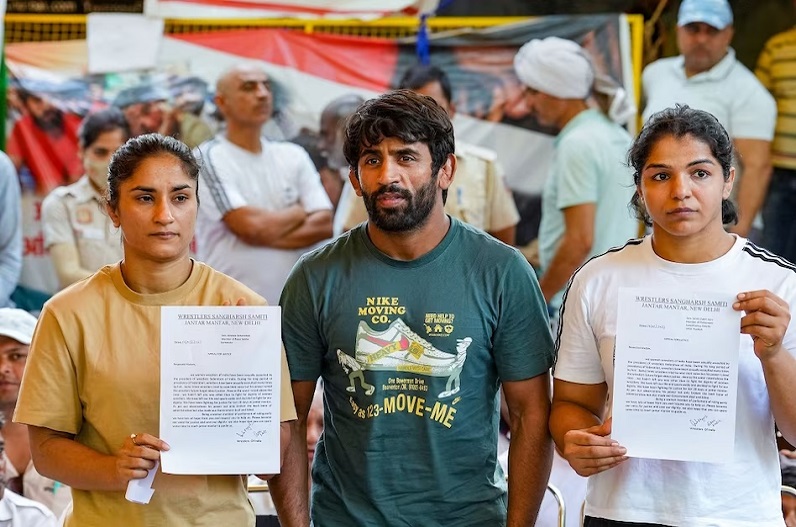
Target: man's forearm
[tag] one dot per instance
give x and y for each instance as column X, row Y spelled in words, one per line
column 530, row 460
column 289, row 487
column 316, row 227
column 66, row 260
column 261, row 227
column 568, row 257
column 507, row 235
column 280, row 223
column 69, row 277
column 755, row 158
column 751, row 195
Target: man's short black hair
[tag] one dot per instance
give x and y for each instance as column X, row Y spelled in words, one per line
column 403, row 114
column 421, row 75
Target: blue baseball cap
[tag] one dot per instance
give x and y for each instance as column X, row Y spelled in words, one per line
column 716, row 13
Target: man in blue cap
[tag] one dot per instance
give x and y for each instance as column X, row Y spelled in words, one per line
column 707, row 76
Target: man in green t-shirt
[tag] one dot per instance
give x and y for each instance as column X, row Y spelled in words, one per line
column 414, row 320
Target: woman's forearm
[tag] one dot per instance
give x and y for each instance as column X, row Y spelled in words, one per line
column 58, row 456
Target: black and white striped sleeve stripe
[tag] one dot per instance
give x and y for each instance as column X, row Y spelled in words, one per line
column 634, row 241
column 767, row 256
column 215, row 185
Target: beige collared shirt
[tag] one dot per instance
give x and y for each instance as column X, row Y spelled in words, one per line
column 74, row 214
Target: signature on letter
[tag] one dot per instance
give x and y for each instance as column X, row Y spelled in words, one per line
column 244, row 431
column 705, row 421
column 249, row 428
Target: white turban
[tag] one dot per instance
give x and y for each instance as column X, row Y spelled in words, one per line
column 555, row 66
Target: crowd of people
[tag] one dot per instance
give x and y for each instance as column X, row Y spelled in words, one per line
column 413, row 330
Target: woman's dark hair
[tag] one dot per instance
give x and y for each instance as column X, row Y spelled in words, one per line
column 678, row 122
column 98, row 123
column 403, row 114
column 132, row 153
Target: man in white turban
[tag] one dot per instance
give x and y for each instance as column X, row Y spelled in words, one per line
column 584, row 202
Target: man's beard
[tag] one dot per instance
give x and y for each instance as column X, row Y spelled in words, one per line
column 411, row 216
column 51, row 121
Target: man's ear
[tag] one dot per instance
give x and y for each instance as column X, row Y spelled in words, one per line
column 352, row 177
column 730, row 33
column 446, row 172
column 218, row 100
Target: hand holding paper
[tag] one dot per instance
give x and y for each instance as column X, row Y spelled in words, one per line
column 139, row 459
column 590, row 451
column 137, row 455
column 140, row 490
column 766, row 320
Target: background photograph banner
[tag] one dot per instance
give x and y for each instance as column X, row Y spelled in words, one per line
column 50, row 91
